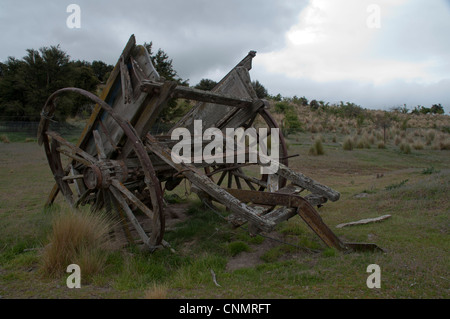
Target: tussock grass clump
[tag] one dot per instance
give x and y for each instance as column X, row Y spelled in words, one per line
column 405, row 148
column 444, row 145
column 441, row 144
column 4, row 138
column 381, row 145
column 429, row 136
column 362, row 143
column 317, row 148
column 418, row 145
column 348, row 144
column 77, row 238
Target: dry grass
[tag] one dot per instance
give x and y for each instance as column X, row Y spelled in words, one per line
column 348, row 144
column 418, row 145
column 4, row 139
column 405, row 148
column 77, row 237
column 317, row 148
column 156, row 292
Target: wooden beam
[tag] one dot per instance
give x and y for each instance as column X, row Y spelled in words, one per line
column 364, row 221
column 200, row 95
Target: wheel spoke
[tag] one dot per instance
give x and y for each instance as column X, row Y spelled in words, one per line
column 238, row 182
column 118, row 185
column 82, row 198
column 118, row 196
column 222, row 177
column 76, row 149
column 59, row 172
column 250, row 185
column 72, row 177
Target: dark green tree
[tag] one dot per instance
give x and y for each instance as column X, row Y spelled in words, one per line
column 165, row 69
column 163, row 64
column 260, row 90
column 302, row 101
column 101, row 70
column 437, row 109
column 206, row 85
column 26, row 84
column 314, row 105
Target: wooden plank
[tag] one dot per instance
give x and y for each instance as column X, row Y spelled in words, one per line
column 214, row 116
column 200, row 95
column 308, row 183
column 149, row 115
column 106, row 91
column 127, row 90
column 129, row 111
column 364, row 221
column 304, row 209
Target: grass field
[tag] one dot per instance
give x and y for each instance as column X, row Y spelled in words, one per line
column 413, row 187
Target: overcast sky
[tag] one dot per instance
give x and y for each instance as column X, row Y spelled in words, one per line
column 376, row 53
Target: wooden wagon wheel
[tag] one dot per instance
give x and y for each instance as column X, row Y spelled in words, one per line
column 236, row 175
column 100, row 180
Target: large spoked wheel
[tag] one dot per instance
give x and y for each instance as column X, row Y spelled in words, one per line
column 248, row 175
column 103, row 181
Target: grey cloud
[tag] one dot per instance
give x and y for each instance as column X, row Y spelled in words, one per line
column 200, row 35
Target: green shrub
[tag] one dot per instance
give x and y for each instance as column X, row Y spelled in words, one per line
column 429, row 170
column 394, row 186
column 329, row 252
column 237, row 247
column 282, row 107
column 291, row 123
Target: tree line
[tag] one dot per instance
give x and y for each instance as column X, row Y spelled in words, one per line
column 25, row 85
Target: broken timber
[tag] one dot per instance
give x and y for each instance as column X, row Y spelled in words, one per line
column 364, row 221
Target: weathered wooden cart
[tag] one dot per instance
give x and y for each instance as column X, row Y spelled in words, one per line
column 119, row 164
